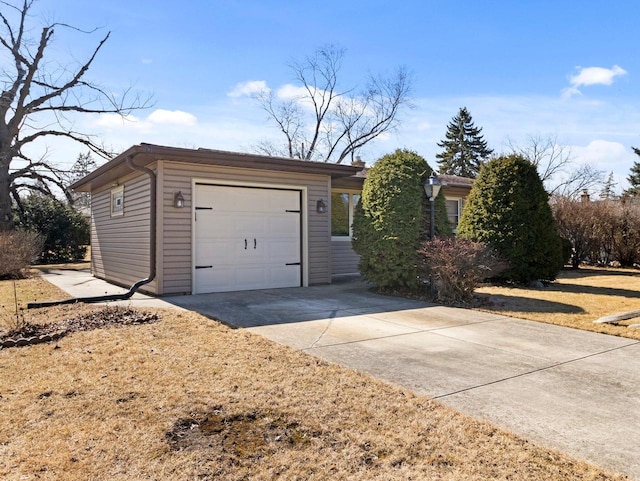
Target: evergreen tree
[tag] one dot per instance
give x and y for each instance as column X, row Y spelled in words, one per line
column 508, row 210
column 464, row 147
column 392, row 218
column 609, row 188
column 634, row 177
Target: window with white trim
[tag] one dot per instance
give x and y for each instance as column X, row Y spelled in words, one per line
column 454, row 211
column 117, row 201
column 342, row 210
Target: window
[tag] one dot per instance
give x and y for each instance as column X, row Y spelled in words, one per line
column 117, row 201
column 342, row 210
column 454, row 210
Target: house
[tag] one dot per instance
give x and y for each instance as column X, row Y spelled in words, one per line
column 345, row 194
column 200, row 220
column 455, row 189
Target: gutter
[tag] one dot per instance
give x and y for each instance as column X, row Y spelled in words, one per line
column 152, row 249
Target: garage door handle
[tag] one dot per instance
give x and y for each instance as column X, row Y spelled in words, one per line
column 245, row 244
column 255, row 244
column 204, row 267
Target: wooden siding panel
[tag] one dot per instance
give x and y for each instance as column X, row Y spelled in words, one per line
column 344, row 259
column 120, row 245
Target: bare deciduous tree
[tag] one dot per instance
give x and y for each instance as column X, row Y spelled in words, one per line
column 324, row 121
column 40, row 99
column 556, row 167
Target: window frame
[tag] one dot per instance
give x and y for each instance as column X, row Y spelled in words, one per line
column 351, row 208
column 459, row 201
column 117, row 193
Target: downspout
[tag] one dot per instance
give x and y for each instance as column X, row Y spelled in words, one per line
column 152, row 250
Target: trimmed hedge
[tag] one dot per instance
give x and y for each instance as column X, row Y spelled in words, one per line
column 508, row 210
column 392, row 219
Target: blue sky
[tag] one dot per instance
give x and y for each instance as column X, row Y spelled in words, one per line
column 566, row 69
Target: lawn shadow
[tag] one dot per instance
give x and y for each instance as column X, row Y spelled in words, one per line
column 504, row 303
column 593, row 290
column 569, row 273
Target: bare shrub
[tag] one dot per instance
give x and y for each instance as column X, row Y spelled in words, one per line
column 626, row 241
column 577, row 221
column 457, row 266
column 18, row 250
column 600, row 232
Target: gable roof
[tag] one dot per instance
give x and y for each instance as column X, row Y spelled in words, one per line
column 145, row 154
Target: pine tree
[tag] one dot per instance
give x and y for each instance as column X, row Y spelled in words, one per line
column 634, row 177
column 464, row 147
column 609, row 189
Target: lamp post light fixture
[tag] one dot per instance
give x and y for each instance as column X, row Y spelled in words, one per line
column 432, row 188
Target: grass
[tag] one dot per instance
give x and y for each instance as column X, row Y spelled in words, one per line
column 188, row 398
column 575, row 299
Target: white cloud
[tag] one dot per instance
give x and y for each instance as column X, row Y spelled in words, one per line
column 249, row 88
column 111, row 121
column 289, row 91
column 173, row 117
column 147, row 61
column 606, row 154
column 592, row 76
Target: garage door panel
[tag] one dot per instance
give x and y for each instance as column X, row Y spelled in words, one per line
column 281, row 251
column 248, row 236
column 281, row 276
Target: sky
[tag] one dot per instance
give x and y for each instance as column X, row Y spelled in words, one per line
column 564, row 69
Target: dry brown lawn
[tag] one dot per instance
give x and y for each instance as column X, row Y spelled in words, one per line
column 187, row 398
column 575, row 299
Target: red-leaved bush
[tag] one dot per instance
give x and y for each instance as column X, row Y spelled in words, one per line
column 457, row 266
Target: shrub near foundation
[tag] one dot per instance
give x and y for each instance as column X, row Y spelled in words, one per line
column 508, row 209
column 390, row 220
column 457, row 267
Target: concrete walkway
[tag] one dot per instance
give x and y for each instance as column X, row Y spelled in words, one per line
column 567, row 389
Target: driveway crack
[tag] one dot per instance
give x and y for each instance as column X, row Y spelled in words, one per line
column 332, row 316
column 533, row 371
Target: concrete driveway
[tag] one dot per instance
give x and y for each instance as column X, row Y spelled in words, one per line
column 567, row 389
column 563, row 388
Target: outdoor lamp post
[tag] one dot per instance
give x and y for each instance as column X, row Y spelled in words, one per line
column 432, row 187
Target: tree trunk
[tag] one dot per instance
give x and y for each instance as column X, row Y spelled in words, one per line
column 6, row 217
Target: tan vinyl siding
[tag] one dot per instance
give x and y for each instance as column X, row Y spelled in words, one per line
column 120, row 244
column 176, row 245
column 344, row 260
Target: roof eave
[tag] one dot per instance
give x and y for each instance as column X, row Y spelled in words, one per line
column 148, row 153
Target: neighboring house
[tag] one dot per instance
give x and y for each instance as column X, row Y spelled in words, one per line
column 209, row 221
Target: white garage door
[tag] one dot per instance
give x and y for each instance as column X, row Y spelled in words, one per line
column 246, row 238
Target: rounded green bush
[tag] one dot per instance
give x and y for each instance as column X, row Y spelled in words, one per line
column 392, row 218
column 508, row 209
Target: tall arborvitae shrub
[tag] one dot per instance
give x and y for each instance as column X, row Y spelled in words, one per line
column 392, row 219
column 508, row 209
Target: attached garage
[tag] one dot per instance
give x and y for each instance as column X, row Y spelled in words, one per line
column 201, row 220
column 246, row 238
